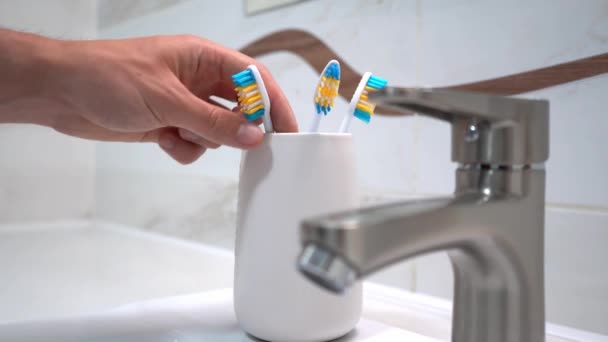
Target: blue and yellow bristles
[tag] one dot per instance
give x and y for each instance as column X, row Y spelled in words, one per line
column 360, row 106
column 326, row 92
column 252, row 96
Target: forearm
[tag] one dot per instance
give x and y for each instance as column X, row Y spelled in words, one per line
column 28, row 71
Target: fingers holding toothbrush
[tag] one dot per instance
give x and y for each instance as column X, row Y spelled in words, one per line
column 214, row 67
column 224, row 63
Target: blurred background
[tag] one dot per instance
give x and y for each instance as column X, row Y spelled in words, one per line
column 46, row 177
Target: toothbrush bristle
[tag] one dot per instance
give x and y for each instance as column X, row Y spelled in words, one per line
column 248, row 94
column 327, row 90
column 376, row 82
column 364, row 110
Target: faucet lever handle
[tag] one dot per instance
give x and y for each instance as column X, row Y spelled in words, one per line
column 486, row 129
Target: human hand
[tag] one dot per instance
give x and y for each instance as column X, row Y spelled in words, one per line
column 153, row 89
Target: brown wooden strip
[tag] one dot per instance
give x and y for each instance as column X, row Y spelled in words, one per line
column 541, row 78
column 317, row 54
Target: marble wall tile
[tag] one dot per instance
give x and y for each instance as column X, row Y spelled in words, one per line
column 112, row 12
column 67, row 19
column 196, row 208
column 46, row 192
column 466, row 41
column 576, row 170
column 45, row 175
column 471, row 40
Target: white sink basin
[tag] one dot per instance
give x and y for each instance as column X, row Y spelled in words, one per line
column 74, row 281
column 206, row 316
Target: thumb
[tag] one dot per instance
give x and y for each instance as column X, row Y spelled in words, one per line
column 217, row 124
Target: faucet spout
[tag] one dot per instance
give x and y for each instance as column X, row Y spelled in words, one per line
column 491, row 228
column 391, row 233
column 326, row 237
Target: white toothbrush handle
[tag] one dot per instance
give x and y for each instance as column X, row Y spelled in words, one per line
column 352, row 106
column 267, row 123
column 266, row 119
column 346, row 123
column 315, row 123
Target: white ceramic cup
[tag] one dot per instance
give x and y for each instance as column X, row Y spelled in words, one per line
column 289, row 177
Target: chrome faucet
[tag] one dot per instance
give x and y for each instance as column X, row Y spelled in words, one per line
column 492, row 226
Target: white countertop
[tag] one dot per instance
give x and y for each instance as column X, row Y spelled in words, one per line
column 82, row 268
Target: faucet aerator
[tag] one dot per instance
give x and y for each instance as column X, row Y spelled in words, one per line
column 326, row 269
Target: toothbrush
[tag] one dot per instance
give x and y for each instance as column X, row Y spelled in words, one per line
column 252, row 96
column 326, row 92
column 360, row 106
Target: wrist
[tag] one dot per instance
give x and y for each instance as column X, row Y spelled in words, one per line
column 28, row 72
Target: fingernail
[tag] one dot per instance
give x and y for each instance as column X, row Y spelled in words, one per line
column 187, row 135
column 248, row 134
column 166, row 142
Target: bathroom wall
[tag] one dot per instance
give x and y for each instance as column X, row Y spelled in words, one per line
column 43, row 174
column 423, row 42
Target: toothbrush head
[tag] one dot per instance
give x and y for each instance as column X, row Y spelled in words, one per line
column 360, row 106
column 327, row 89
column 252, row 95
